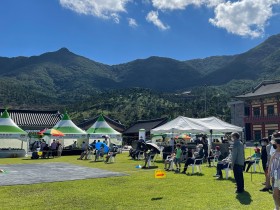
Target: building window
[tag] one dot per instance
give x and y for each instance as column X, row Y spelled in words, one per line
column 247, row 111
column 258, row 135
column 257, row 111
column 270, row 110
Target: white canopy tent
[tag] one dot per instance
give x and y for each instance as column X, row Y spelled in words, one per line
column 179, row 125
column 102, row 128
column 72, row 132
column 216, row 125
column 196, row 125
column 11, row 136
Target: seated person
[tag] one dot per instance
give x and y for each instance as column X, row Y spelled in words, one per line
column 251, row 160
column 45, row 151
column 168, row 162
column 214, row 154
column 113, row 152
column 149, row 156
column 223, row 164
column 99, row 153
column 199, row 154
column 84, row 153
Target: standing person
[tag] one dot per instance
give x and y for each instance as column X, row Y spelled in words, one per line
column 177, row 159
column 171, row 143
column 53, row 147
column 265, row 156
column 204, row 142
column 59, row 148
column 274, row 172
column 238, row 162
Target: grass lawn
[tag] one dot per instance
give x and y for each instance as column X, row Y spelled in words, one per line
column 140, row 190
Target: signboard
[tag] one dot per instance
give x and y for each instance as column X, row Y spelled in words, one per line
column 160, row 174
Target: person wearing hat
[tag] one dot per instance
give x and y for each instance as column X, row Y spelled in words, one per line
column 238, row 162
column 251, row 160
column 197, row 155
column 274, row 172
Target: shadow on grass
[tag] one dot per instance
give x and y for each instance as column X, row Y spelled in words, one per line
column 229, row 179
column 157, row 198
column 244, row 198
column 151, row 167
column 257, row 172
column 195, row 174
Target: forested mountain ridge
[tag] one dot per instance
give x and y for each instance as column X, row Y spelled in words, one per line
column 64, row 79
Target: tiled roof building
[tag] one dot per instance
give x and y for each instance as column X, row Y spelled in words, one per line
column 148, row 125
column 261, row 110
column 34, row 120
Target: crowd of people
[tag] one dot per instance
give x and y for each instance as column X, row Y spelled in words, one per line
column 90, row 150
column 181, row 155
column 46, row 150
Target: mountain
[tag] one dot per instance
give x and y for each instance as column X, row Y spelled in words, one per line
column 261, row 62
column 62, row 77
column 157, row 73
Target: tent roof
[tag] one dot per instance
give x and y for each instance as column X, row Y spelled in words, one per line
column 8, row 126
column 179, row 124
column 185, row 124
column 66, row 126
column 101, row 127
column 115, row 124
column 215, row 124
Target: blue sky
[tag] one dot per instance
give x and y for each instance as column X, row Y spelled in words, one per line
column 118, row 31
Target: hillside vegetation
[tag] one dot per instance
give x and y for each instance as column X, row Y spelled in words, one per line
column 140, row 89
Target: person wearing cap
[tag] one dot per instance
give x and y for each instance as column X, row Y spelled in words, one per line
column 274, row 172
column 251, row 160
column 238, row 162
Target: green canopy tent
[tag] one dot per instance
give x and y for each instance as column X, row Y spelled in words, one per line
column 101, row 128
column 71, row 131
column 11, row 136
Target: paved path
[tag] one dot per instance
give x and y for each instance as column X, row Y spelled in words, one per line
column 49, row 172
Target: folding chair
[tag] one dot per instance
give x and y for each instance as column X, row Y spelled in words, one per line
column 172, row 165
column 255, row 164
column 140, row 155
column 112, row 158
column 198, row 164
column 228, row 170
column 214, row 161
column 151, row 160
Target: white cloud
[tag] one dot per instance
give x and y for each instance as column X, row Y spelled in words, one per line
column 244, row 17
column 107, row 9
column 132, row 22
column 152, row 17
column 182, row 4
